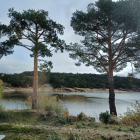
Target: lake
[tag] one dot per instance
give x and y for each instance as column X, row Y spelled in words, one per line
column 92, row 104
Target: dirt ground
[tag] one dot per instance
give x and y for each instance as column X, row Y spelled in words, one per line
column 47, row 87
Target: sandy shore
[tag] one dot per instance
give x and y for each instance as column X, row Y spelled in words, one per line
column 23, row 89
column 87, row 90
column 30, row 89
column 47, row 87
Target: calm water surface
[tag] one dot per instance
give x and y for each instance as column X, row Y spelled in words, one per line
column 92, row 104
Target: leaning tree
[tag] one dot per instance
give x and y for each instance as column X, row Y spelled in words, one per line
column 109, row 29
column 35, row 31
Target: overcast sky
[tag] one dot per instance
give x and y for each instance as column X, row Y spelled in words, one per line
column 61, row 12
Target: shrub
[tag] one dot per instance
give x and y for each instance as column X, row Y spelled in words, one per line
column 63, row 120
column 105, row 117
column 1, row 88
column 132, row 117
column 120, row 128
column 3, row 114
column 47, row 103
column 66, row 113
column 92, row 119
column 55, row 136
column 82, row 116
column 74, row 137
column 105, row 138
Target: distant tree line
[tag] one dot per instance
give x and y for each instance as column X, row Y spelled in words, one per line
column 91, row 81
column 70, row 80
column 24, row 79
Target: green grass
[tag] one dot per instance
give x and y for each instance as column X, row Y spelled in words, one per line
column 29, row 125
column 13, row 132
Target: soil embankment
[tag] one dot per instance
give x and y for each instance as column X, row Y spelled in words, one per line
column 47, row 87
column 84, row 90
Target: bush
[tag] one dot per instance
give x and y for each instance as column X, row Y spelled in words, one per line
column 63, row 120
column 47, row 103
column 132, row 117
column 120, row 128
column 74, row 137
column 1, row 88
column 55, row 136
column 105, row 138
column 3, row 115
column 82, row 116
column 66, row 113
column 105, row 117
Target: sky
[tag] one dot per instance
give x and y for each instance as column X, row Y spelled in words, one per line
column 60, row 11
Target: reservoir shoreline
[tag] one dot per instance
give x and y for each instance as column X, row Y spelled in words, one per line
column 30, row 89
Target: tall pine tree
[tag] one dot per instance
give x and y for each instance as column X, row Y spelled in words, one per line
column 40, row 31
column 109, row 29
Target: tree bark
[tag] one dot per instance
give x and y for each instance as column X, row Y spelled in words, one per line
column 110, row 74
column 35, row 82
column 112, row 94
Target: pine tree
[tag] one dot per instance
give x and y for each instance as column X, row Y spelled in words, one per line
column 109, row 29
column 40, row 31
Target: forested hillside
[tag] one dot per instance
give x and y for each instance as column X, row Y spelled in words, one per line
column 24, row 79
column 71, row 80
column 91, row 81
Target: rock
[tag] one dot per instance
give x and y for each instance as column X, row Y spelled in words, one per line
column 131, row 135
column 70, row 129
column 54, row 114
column 50, row 113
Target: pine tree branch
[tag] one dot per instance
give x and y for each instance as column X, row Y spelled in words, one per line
column 119, row 48
column 114, row 33
column 126, row 59
column 100, row 43
column 28, row 38
column 101, row 34
column 25, row 46
column 92, row 55
column 42, row 60
column 121, row 63
column 121, row 52
column 27, row 28
column 115, row 40
column 41, row 34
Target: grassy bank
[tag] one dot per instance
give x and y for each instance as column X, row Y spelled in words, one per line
column 31, row 125
column 52, row 122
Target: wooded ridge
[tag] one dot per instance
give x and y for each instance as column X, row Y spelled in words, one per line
column 70, row 80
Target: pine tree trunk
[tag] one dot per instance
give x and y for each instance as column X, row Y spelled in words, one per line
column 35, row 82
column 112, row 94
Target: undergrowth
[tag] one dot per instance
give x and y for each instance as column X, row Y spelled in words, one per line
column 132, row 117
column 46, row 102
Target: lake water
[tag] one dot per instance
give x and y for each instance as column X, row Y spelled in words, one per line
column 92, row 104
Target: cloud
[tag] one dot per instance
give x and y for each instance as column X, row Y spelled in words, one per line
column 60, row 11
column 14, row 66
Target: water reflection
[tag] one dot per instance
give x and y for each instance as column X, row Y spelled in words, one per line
column 69, row 98
column 14, row 100
column 15, row 95
column 92, row 104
